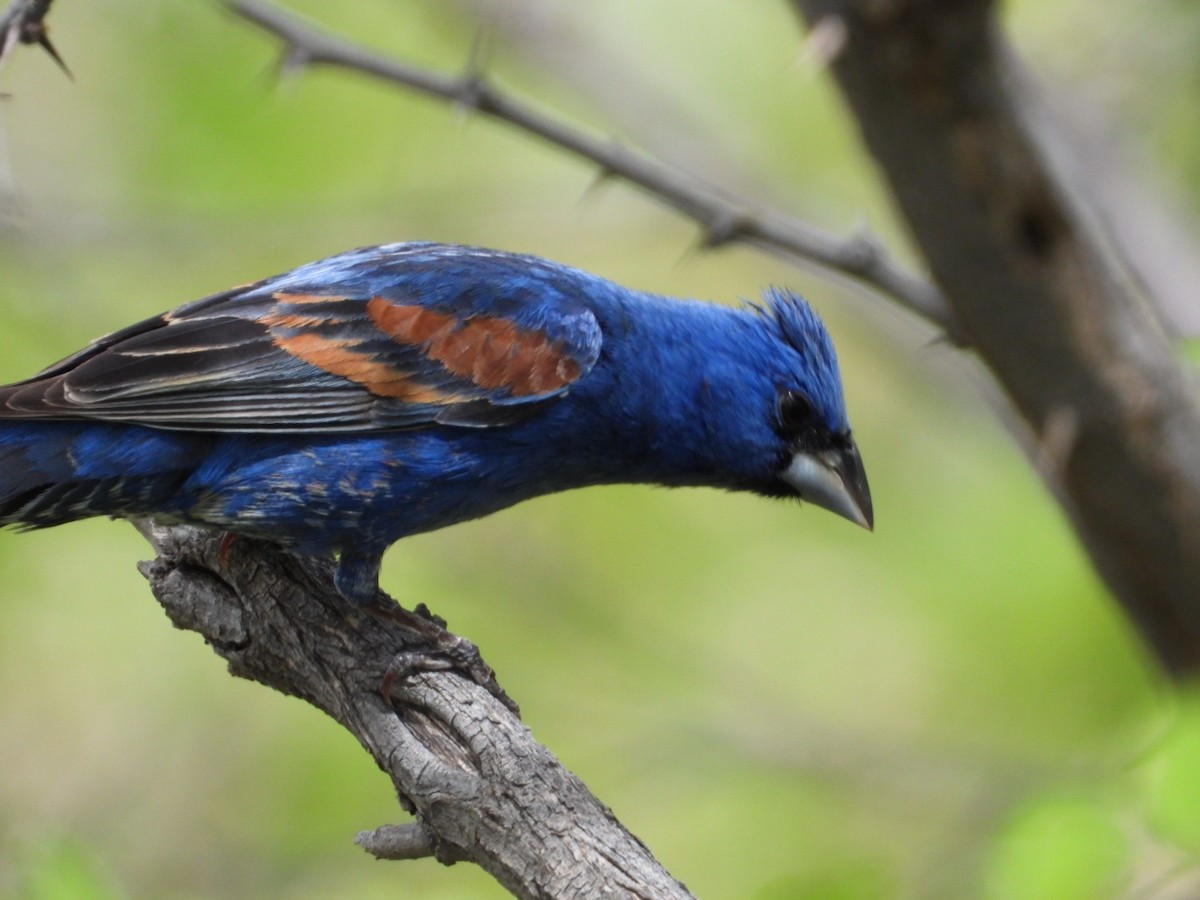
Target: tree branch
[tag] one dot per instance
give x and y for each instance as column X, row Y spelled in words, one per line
column 481, row 787
column 409, row 841
column 970, row 155
column 723, row 218
column 24, row 22
column 1026, row 273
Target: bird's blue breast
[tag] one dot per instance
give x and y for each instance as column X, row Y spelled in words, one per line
column 321, row 494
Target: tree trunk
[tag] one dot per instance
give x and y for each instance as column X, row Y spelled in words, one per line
column 970, row 155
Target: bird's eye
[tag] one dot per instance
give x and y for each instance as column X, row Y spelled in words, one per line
column 795, row 411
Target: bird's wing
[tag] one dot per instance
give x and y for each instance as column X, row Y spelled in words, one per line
column 375, row 339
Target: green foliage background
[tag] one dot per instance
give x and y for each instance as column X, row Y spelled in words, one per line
column 780, row 705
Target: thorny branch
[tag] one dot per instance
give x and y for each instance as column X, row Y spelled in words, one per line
column 723, row 217
column 24, row 22
column 1029, row 281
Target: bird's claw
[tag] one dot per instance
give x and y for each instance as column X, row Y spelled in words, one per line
column 461, row 657
column 426, row 613
column 442, row 651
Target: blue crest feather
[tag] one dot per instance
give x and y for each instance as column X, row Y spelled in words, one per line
column 801, row 328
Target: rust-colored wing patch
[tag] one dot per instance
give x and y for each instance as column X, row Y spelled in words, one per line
column 340, row 358
column 491, row 352
column 360, row 343
column 298, row 320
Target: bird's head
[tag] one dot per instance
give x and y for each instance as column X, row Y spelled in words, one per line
column 793, row 436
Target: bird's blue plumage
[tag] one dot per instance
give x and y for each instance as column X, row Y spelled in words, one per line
column 396, row 389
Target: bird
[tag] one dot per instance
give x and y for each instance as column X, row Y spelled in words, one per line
column 390, row 390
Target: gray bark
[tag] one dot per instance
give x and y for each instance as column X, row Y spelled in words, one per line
column 461, row 760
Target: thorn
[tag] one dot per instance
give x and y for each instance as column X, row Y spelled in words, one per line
column 24, row 23
column 861, row 247
column 604, row 173
column 294, row 61
column 689, row 253
column 723, row 229
column 472, row 91
column 481, row 52
column 469, row 97
column 43, row 41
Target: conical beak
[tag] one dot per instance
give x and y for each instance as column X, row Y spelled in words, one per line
column 834, row 480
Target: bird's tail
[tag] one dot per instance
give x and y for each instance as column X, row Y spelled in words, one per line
column 56, row 472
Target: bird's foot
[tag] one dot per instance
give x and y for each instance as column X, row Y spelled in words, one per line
column 442, row 651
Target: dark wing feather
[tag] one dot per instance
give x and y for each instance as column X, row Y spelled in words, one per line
column 369, row 346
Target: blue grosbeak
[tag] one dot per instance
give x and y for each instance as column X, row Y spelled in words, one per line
column 391, row 390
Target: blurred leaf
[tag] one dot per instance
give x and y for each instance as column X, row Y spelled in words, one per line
column 1173, row 770
column 63, row 869
column 1059, row 849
